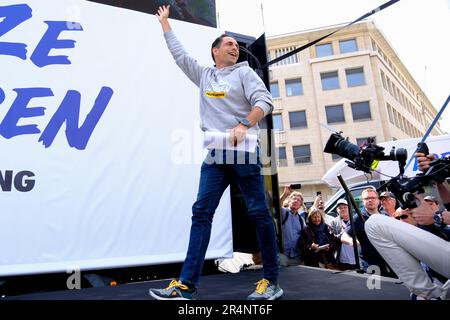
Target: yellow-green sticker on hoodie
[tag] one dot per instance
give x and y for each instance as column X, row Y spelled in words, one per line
column 217, row 90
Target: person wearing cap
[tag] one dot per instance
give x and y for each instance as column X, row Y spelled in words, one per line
column 388, row 202
column 433, row 202
column 345, row 255
column 343, row 216
column 405, row 246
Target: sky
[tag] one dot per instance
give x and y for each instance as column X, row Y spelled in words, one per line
column 418, row 30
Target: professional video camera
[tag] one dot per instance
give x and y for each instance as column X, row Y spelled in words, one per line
column 367, row 156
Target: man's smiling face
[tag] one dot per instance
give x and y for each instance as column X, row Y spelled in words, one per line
column 228, row 52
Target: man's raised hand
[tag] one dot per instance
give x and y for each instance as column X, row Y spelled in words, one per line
column 163, row 13
column 163, row 17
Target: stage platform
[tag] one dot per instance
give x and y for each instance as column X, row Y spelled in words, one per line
column 298, row 283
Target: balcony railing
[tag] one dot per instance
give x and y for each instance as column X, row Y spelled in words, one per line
column 277, row 104
column 280, row 137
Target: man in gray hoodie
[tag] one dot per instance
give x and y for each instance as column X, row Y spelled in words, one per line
column 232, row 99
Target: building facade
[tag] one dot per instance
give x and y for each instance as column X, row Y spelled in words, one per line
column 352, row 81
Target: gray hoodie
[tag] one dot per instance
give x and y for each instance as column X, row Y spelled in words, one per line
column 226, row 94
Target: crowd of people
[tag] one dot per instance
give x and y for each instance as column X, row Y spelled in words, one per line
column 409, row 244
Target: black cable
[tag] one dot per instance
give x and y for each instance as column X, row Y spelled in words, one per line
column 258, row 70
column 368, row 14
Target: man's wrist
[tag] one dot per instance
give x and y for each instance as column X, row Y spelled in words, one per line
column 438, row 219
column 445, row 218
column 245, row 122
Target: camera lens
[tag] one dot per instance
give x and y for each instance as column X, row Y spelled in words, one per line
column 338, row 145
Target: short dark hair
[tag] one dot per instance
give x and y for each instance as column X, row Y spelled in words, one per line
column 216, row 44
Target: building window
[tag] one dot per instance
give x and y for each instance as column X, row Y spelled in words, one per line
column 335, row 113
column 361, row 111
column 397, row 123
column 289, row 60
column 403, row 124
column 302, row 154
column 383, row 80
column 389, row 86
column 409, row 128
column 323, row 50
column 374, row 45
column 330, row 80
column 294, row 87
column 278, row 122
column 391, row 117
column 395, row 91
column 348, row 45
column 274, row 90
column 297, row 119
column 282, row 159
column 355, row 77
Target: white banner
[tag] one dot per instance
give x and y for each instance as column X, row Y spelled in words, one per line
column 99, row 139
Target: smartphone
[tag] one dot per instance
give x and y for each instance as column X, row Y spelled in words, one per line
column 318, row 193
column 296, row 186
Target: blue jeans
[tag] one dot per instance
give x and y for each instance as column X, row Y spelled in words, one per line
column 218, row 170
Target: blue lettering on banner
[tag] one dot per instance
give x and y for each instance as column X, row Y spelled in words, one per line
column 13, row 16
column 2, row 95
column 17, row 14
column 18, row 110
column 50, row 41
column 69, row 110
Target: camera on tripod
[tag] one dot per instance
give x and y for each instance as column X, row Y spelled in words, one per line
column 367, row 156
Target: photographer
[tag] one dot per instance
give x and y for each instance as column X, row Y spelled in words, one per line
column 423, row 163
column 431, row 218
column 404, row 246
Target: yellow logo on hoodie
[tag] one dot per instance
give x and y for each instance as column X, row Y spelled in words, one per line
column 212, row 94
column 217, row 90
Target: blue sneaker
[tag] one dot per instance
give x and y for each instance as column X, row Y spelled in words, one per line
column 175, row 291
column 266, row 291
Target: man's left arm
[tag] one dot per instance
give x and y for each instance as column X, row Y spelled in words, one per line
column 424, row 214
column 238, row 133
column 256, row 92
